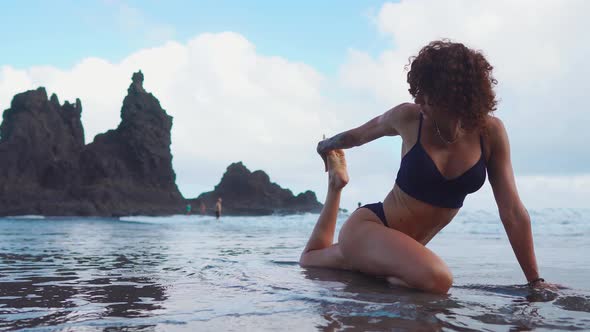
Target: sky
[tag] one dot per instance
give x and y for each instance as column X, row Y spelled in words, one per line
column 262, row 81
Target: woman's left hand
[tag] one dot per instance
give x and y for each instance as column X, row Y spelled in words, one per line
column 541, row 284
column 323, row 152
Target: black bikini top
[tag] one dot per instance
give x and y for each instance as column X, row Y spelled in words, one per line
column 419, row 177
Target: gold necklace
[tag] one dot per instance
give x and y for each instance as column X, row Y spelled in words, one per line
column 440, row 135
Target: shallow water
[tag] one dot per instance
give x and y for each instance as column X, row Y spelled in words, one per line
column 194, row 273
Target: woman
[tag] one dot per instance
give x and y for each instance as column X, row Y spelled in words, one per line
column 449, row 141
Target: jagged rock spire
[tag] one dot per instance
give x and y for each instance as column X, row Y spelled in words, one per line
column 137, row 83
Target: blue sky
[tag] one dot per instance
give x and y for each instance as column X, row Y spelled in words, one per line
column 61, row 33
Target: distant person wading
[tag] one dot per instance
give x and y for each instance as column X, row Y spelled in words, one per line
column 449, row 142
column 218, row 208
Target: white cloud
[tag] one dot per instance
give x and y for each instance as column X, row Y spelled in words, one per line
column 12, row 81
column 539, row 50
column 231, row 103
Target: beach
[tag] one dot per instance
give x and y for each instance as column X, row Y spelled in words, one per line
column 188, row 273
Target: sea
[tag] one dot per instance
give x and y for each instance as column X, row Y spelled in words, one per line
column 196, row 273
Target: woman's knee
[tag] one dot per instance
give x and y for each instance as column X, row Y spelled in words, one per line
column 437, row 279
column 304, row 259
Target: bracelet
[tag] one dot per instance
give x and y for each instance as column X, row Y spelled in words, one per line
column 534, row 281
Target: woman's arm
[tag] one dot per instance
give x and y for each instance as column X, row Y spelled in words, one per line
column 384, row 125
column 513, row 214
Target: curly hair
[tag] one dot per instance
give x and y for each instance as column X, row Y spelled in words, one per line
column 454, row 78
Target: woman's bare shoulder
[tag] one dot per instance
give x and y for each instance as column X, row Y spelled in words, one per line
column 496, row 138
column 404, row 115
column 494, row 127
column 407, row 111
column 494, row 123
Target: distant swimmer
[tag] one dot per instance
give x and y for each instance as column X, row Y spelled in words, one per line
column 188, row 209
column 218, row 208
column 203, row 208
column 449, row 142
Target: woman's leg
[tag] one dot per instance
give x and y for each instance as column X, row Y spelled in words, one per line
column 368, row 246
column 372, row 248
column 319, row 250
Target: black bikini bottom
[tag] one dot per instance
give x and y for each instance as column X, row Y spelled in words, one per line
column 377, row 208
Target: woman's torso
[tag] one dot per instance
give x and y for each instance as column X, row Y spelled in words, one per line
column 419, row 219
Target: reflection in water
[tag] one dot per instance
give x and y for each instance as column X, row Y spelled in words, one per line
column 198, row 274
column 375, row 305
column 69, row 272
column 574, row 303
column 71, row 298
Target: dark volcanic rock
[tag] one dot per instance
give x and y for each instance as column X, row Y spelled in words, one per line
column 45, row 168
column 39, row 147
column 129, row 170
column 251, row 193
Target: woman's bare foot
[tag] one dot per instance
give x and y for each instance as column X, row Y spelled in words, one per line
column 337, row 173
column 397, row 282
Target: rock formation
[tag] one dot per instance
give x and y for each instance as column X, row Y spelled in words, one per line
column 129, row 170
column 251, row 193
column 46, row 169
